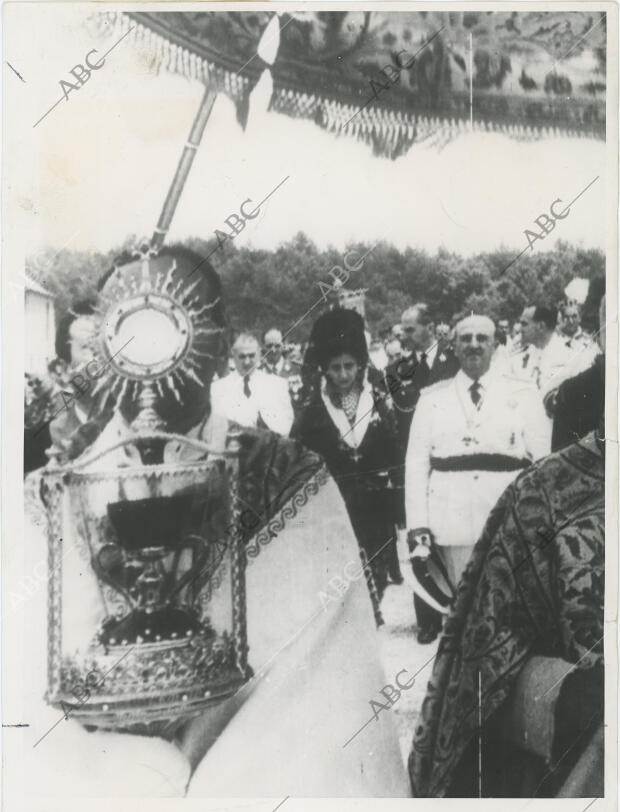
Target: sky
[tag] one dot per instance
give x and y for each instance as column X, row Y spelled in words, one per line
column 97, row 168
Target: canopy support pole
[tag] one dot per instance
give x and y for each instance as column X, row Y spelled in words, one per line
column 183, row 168
column 471, row 82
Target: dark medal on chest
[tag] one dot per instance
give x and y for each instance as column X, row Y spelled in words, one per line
column 467, row 440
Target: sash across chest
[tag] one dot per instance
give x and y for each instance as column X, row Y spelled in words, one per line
column 478, row 462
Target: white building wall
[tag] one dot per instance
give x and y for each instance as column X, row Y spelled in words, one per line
column 40, row 332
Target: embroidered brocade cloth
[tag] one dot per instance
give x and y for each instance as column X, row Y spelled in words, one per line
column 393, row 79
column 534, row 586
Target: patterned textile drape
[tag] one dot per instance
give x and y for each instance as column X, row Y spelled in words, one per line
column 390, row 80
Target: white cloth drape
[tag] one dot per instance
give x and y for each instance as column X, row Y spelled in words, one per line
column 316, row 659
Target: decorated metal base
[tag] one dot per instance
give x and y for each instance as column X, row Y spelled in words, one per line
column 149, row 688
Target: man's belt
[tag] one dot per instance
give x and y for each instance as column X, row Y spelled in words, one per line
column 478, row 462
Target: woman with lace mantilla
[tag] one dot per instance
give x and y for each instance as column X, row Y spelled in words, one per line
column 351, row 426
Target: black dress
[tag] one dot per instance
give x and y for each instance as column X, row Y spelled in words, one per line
column 365, row 476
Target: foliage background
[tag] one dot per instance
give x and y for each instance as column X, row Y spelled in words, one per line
column 265, row 288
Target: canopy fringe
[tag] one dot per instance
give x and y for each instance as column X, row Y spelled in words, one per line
column 389, row 132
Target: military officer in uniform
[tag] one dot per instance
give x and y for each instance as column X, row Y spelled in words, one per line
column 470, row 437
column 275, row 363
column 423, row 363
column 548, row 359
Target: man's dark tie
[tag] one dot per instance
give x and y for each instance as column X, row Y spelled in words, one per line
column 474, row 391
column 246, row 386
column 423, row 371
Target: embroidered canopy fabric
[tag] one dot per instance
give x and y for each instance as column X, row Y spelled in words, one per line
column 394, row 78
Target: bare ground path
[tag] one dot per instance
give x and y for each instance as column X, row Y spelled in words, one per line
column 400, row 650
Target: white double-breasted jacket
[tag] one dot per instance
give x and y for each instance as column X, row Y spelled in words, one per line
column 460, row 458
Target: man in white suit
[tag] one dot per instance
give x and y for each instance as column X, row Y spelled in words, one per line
column 248, row 395
column 470, row 437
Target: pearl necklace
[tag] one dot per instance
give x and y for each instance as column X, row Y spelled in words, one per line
column 349, row 404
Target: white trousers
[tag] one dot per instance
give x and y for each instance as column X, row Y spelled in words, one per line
column 455, row 560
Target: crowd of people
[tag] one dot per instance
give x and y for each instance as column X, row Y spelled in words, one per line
column 439, row 434
column 429, row 432
column 408, row 449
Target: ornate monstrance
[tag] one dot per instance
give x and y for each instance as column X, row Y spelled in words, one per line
column 146, row 595
column 156, row 332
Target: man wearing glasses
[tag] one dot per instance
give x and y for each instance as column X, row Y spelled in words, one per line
column 470, row 437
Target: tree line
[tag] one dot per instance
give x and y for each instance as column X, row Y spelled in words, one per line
column 266, row 288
